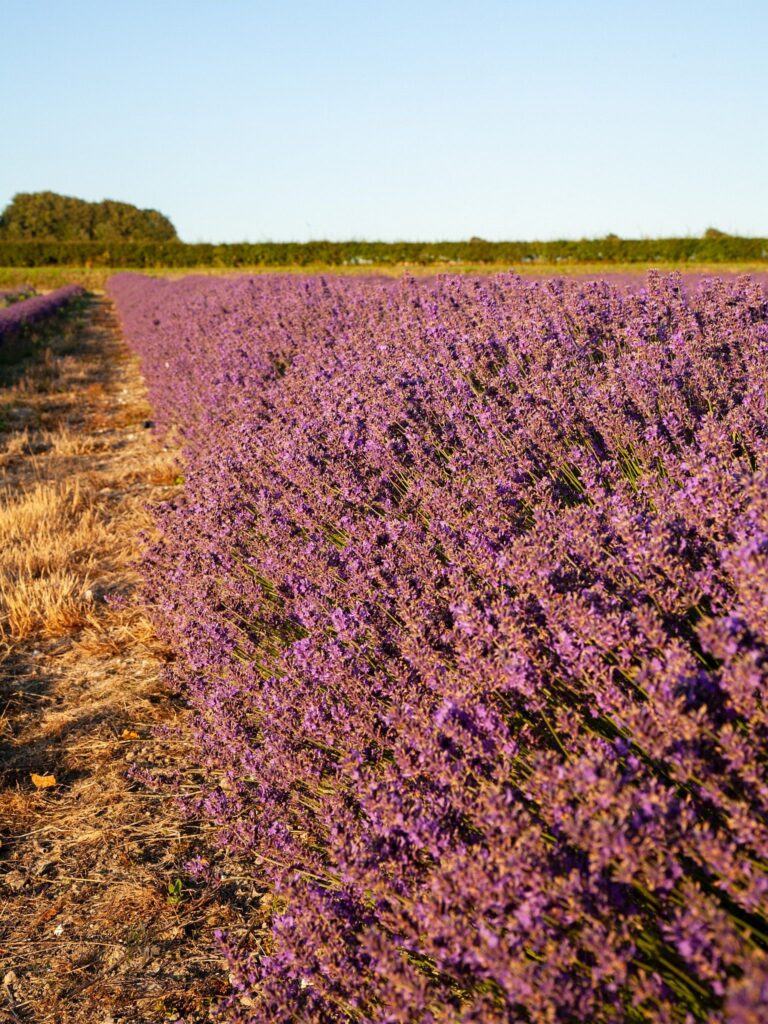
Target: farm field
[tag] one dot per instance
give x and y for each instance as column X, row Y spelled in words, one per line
column 384, row 513
column 384, row 649
column 96, row 278
column 466, row 589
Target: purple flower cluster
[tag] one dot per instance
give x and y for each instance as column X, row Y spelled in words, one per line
column 20, row 315
column 469, row 590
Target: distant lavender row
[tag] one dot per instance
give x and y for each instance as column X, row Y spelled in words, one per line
column 19, row 315
column 469, row 592
column 690, row 280
column 11, row 295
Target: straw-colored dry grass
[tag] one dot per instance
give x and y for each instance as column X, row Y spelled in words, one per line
column 89, row 930
column 51, row 539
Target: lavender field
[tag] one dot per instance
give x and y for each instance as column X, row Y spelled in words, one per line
column 468, row 589
column 20, row 315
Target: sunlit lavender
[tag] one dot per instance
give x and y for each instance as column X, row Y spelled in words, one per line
column 20, row 315
column 468, row 588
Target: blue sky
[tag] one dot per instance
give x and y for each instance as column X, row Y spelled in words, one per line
column 299, row 119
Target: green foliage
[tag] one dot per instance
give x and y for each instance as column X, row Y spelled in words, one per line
column 149, row 255
column 175, row 892
column 48, row 217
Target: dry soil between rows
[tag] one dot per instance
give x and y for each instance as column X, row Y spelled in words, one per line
column 97, row 921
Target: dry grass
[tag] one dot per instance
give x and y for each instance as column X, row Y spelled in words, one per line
column 89, row 931
column 52, row 539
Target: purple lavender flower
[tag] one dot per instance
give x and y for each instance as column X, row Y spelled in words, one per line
column 469, row 592
column 20, row 315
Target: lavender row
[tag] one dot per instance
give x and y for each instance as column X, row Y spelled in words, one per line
column 20, row 315
column 469, row 591
column 10, row 295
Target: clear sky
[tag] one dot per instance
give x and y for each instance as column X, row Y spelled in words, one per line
column 394, row 119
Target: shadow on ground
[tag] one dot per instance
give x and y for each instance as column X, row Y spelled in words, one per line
column 98, row 921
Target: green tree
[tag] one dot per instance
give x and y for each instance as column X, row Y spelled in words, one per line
column 49, row 217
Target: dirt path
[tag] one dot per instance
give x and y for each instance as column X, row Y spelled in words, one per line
column 96, row 924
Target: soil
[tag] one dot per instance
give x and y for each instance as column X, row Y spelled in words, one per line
column 98, row 922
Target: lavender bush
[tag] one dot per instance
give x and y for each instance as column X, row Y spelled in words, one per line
column 20, row 315
column 10, row 295
column 469, row 589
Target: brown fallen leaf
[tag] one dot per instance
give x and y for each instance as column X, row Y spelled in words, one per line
column 43, row 781
column 46, row 914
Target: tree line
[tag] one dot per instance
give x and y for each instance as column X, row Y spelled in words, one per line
column 151, row 254
column 46, row 229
